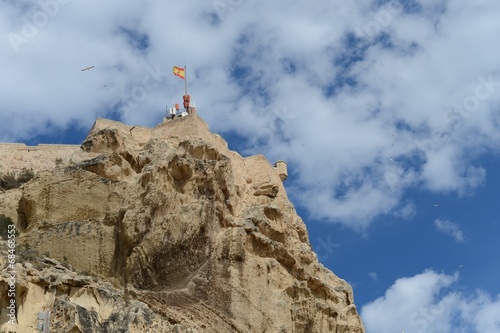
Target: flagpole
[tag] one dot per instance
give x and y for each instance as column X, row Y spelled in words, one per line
column 185, row 81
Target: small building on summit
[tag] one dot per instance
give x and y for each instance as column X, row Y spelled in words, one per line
column 281, row 168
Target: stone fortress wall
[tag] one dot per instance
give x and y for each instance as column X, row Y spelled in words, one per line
column 16, row 156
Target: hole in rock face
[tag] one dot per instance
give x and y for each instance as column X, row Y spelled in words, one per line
column 272, row 213
column 24, row 213
column 180, row 170
column 135, row 162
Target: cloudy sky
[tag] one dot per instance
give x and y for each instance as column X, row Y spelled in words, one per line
column 387, row 112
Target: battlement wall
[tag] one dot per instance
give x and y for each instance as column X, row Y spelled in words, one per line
column 16, row 156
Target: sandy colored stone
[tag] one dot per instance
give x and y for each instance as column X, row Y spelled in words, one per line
column 165, row 229
column 16, row 156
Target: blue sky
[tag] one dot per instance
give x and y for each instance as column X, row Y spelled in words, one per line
column 387, row 112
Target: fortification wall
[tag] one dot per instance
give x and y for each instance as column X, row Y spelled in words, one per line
column 16, row 156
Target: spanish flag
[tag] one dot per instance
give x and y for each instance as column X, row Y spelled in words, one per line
column 179, row 71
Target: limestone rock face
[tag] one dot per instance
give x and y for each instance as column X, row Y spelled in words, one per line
column 166, row 230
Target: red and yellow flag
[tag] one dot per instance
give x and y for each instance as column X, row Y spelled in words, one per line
column 179, row 71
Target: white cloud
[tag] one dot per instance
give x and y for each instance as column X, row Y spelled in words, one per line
column 450, row 229
column 432, row 303
column 408, row 211
column 377, row 100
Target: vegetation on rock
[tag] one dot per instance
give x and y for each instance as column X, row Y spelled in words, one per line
column 4, row 226
column 11, row 180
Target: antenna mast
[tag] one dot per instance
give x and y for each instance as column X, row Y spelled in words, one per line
column 185, row 81
column 186, row 97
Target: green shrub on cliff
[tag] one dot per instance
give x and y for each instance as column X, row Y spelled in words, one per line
column 4, row 226
column 10, row 180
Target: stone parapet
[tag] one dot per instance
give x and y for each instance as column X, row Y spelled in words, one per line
column 16, row 156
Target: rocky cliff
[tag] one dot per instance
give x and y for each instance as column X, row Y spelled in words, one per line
column 164, row 230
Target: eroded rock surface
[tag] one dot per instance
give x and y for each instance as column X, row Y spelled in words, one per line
column 167, row 230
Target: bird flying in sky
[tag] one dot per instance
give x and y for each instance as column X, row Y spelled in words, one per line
column 87, row 68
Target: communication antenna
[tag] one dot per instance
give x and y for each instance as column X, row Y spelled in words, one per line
column 186, row 97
